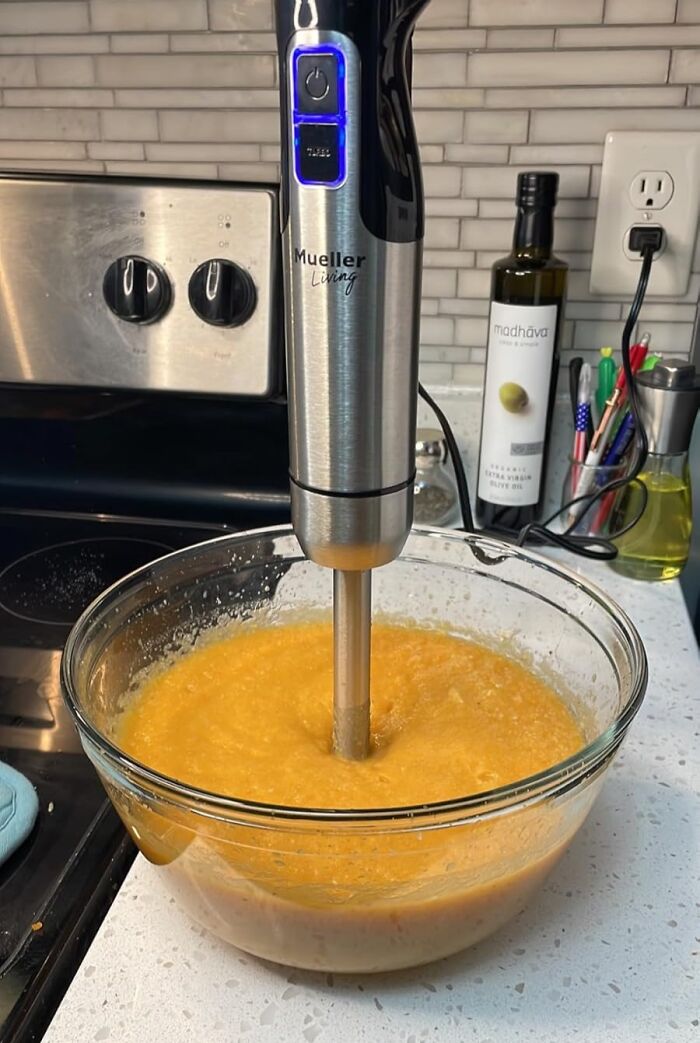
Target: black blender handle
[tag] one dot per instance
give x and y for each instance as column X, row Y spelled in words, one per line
column 391, row 191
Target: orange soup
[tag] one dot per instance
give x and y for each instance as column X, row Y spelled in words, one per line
column 251, row 717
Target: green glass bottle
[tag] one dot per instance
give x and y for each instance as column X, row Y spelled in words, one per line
column 528, row 289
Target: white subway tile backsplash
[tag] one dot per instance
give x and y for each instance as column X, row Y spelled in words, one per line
column 592, row 310
column 197, row 99
column 267, row 172
column 555, row 67
column 459, row 306
column 42, row 150
column 147, row 15
column 439, row 282
column 441, row 233
column 489, row 154
column 49, row 124
column 139, row 43
column 185, row 70
column 669, row 338
column 496, row 127
column 198, row 170
column 48, row 16
column 497, row 182
column 641, row 36
column 636, row 12
column 450, row 14
column 187, row 88
column 436, row 353
column 432, row 153
column 133, row 150
column 578, row 208
column 73, row 166
column 688, row 11
column 435, row 374
column 584, row 97
column 259, row 43
column 439, row 70
column 437, row 331
column 62, row 98
column 596, row 334
column 65, row 70
column 519, row 39
column 442, row 180
column 485, row 233
column 469, row 375
column 93, row 43
column 448, row 258
column 439, row 127
column 685, row 66
column 670, row 312
column 240, row 14
column 203, row 125
column 442, row 207
column 474, row 282
column 472, row 332
column 560, row 125
column 18, row 72
column 216, row 152
column 542, row 154
column 447, row 97
column 125, row 125
column 448, row 39
column 535, row 12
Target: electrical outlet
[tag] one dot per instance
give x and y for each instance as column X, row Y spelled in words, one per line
column 651, row 189
column 647, row 178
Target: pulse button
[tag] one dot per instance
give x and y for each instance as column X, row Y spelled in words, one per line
column 317, row 84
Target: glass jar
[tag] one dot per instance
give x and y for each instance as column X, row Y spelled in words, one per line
column 658, row 545
column 596, row 520
column 435, row 492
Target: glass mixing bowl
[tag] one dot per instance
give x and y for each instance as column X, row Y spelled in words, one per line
column 367, row 890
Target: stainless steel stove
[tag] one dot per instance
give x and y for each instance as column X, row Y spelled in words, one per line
column 140, row 411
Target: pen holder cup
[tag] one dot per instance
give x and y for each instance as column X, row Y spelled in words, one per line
column 594, row 521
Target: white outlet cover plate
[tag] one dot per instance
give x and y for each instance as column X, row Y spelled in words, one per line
column 627, row 153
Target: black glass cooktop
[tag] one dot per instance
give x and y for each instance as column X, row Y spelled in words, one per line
column 56, row 888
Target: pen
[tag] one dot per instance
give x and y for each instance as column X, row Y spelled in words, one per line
column 583, row 415
column 595, row 451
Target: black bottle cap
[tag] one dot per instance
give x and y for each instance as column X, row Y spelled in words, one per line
column 537, row 188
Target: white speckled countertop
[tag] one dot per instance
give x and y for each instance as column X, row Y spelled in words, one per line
column 608, row 951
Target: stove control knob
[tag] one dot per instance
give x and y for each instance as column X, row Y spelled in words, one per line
column 137, row 290
column 221, row 293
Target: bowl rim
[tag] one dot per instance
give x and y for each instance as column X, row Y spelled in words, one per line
column 558, row 778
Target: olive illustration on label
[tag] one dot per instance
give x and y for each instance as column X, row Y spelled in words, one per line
column 513, row 397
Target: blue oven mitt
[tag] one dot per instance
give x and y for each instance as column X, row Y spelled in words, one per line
column 19, row 806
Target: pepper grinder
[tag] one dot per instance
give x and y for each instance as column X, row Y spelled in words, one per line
column 657, row 547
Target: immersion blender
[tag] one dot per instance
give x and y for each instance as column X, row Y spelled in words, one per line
column 352, row 229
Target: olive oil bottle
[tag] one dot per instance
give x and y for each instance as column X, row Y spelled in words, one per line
column 657, row 546
column 528, row 289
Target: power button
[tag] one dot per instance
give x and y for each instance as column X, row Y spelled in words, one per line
column 316, row 83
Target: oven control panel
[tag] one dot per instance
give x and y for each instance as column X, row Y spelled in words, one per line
column 139, row 284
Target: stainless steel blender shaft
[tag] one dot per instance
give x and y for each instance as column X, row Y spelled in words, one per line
column 352, row 231
column 352, row 624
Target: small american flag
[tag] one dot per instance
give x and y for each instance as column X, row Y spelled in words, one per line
column 583, row 413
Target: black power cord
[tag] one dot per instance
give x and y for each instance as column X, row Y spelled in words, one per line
column 648, row 241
